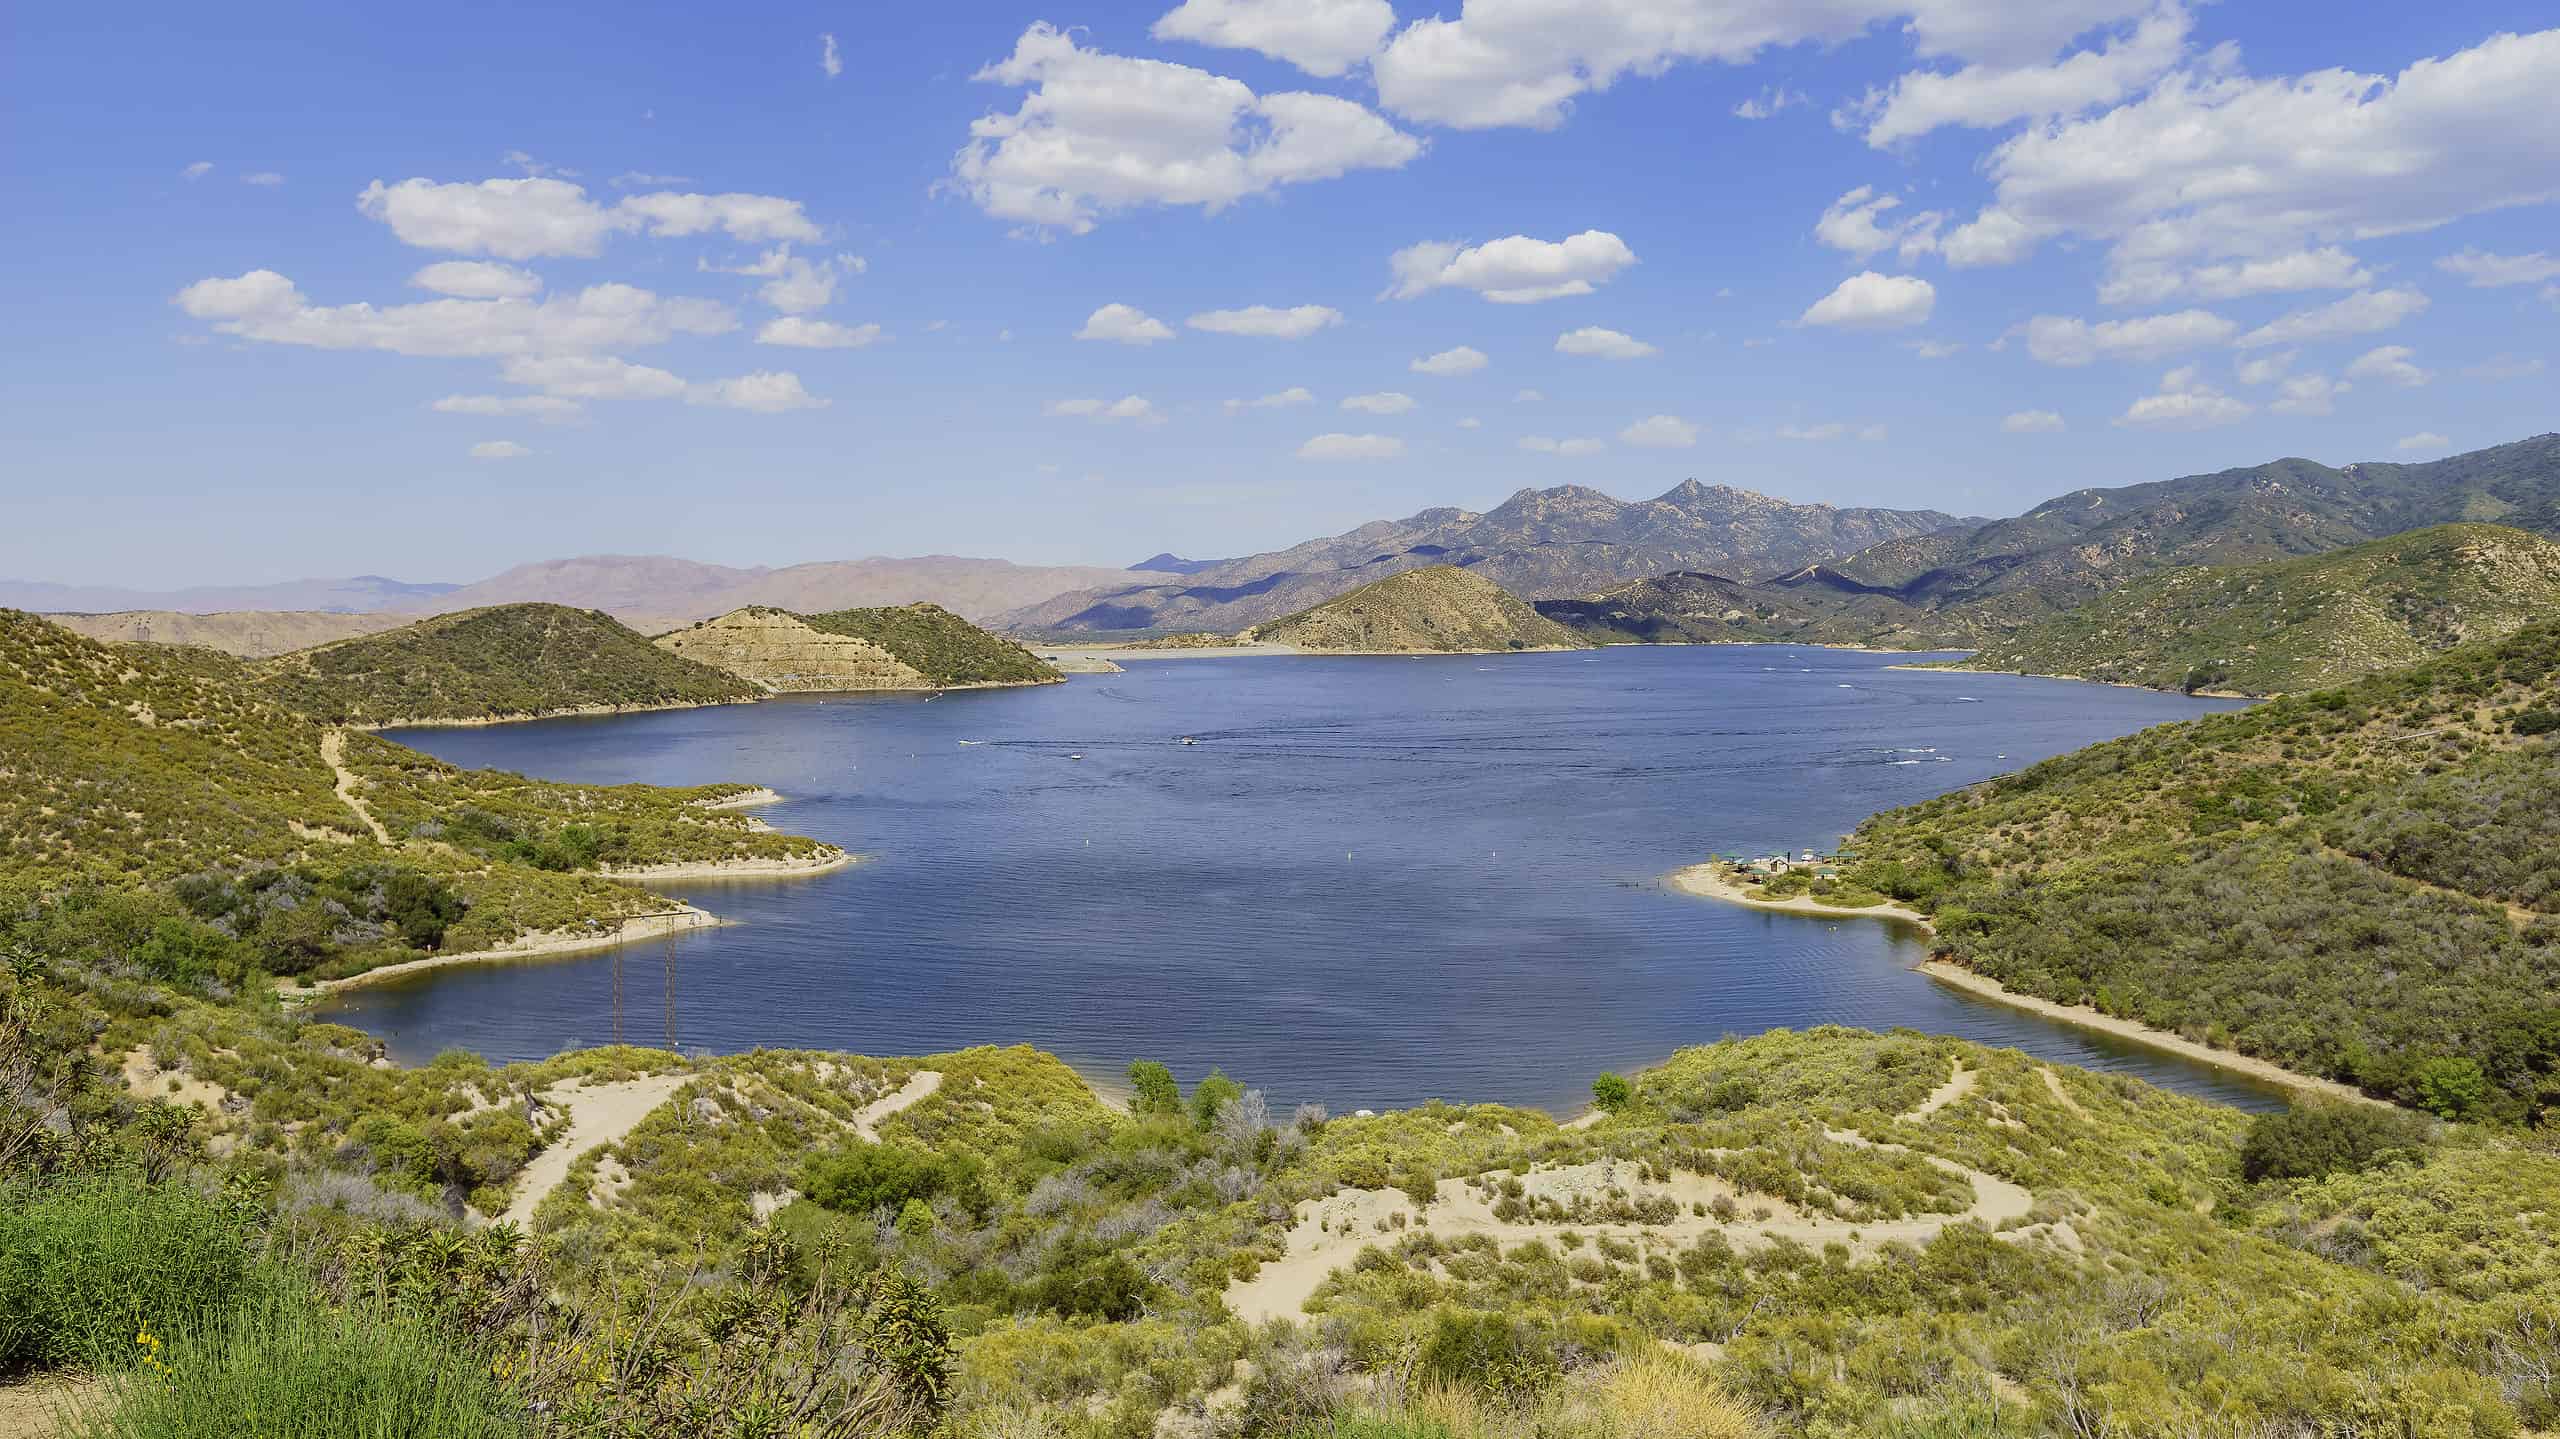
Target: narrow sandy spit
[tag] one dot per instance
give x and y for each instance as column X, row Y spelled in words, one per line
column 1957, row 977
column 749, row 800
column 646, row 926
column 831, row 860
column 1703, row 881
column 600, row 1115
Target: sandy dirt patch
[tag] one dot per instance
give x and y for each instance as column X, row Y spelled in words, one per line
column 1957, row 977
column 1703, row 881
column 34, row 1409
column 760, row 795
column 1958, row 1085
column 598, row 1115
column 2062, row 1096
column 1330, row 1232
column 919, row 1087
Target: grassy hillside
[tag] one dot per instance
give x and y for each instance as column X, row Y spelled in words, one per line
column 1438, row 609
column 2299, row 624
column 2358, row 882
column 945, row 648
column 1711, row 609
column 509, row 661
column 156, row 783
column 250, row 634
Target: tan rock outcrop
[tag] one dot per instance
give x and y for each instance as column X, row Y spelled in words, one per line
column 775, row 649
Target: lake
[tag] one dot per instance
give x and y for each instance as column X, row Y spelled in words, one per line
column 1371, row 882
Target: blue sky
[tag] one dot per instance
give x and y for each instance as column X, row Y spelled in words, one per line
column 1955, row 253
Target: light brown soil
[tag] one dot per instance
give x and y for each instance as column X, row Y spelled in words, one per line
column 1704, row 881
column 598, row 1115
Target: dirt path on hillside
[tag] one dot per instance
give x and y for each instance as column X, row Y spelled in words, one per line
column 598, row 1115
column 1958, row 1085
column 1330, row 1232
column 919, row 1087
column 30, row 1410
column 333, row 753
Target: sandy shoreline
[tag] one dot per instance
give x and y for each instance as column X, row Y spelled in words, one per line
column 1957, row 977
column 758, row 796
column 1703, row 881
column 646, row 926
column 827, row 863
column 2085, row 680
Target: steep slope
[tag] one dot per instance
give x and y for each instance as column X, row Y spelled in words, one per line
column 1442, row 609
column 1546, row 544
column 250, row 634
column 656, row 592
column 2012, row 573
column 914, row 647
column 2303, row 623
column 2362, row 883
column 506, row 662
column 1689, row 608
column 161, row 772
column 948, row 650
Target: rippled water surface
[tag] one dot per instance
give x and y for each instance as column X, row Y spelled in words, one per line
column 1371, row 881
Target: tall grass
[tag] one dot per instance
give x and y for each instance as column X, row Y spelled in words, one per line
column 1648, row 1395
column 86, row 1264
column 283, row 1365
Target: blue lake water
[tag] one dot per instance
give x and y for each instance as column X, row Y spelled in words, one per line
column 1372, row 882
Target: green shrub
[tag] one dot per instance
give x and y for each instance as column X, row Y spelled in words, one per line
column 284, row 1366
column 88, row 1264
column 1611, row 1092
column 2533, row 722
column 889, row 1176
column 1153, row 1089
column 1214, row 1092
column 2313, row 1140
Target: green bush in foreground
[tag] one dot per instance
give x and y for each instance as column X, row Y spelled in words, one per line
column 285, row 1366
column 86, row 1266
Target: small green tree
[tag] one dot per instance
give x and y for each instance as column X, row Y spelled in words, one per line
column 1152, row 1088
column 2451, row 1086
column 1211, row 1094
column 1611, row 1092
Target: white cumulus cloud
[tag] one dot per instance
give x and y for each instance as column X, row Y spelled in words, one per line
column 1321, row 37
column 1124, row 325
column 2483, row 270
column 1563, row 449
column 830, row 59
column 1464, row 360
column 1660, row 432
column 536, row 216
column 1515, row 270
column 1128, row 407
column 1098, row 134
column 1268, row 322
column 1351, row 447
column 802, row 333
column 498, row 450
column 1385, row 402
column 2362, row 313
column 765, row 392
column 2033, row 422
column 1855, row 223
column 265, row 306
column 2070, row 340
column 2308, row 395
column 478, row 280
column 2328, row 268
column 541, row 407
column 1289, row 398
column 1986, row 96
column 2184, row 402
column 1870, row 301
column 1593, row 342
column 2423, row 440
column 2390, row 364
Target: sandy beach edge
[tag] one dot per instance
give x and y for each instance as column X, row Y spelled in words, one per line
column 1956, row 976
column 760, row 795
column 828, row 863
column 556, row 942
column 1703, row 881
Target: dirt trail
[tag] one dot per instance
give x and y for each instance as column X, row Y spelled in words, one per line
column 918, row 1088
column 1958, row 1085
column 1330, row 1232
column 603, row 1114
column 2053, row 1082
column 31, row 1410
column 333, row 753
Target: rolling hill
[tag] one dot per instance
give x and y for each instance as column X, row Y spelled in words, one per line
column 2301, row 623
column 1441, row 609
column 504, row 662
column 165, row 774
column 1543, row 544
column 907, row 647
column 655, row 592
column 249, row 634
column 2361, row 883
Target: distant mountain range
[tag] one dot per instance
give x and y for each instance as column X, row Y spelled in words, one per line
column 1992, row 586
column 1539, row 544
column 1173, row 564
column 360, row 594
